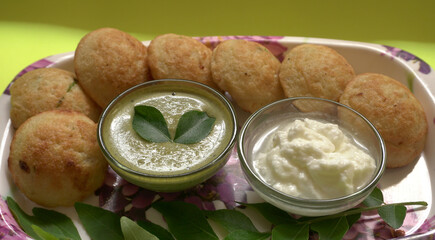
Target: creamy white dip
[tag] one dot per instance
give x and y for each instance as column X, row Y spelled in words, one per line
column 311, row 159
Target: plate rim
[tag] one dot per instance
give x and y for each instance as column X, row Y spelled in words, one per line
column 427, row 80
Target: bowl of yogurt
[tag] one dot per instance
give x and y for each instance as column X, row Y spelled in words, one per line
column 311, row 156
column 130, row 145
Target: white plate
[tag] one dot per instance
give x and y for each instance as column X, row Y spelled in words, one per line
column 410, row 183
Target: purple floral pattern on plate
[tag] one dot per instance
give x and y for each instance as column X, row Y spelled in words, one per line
column 270, row 42
column 9, row 228
column 227, row 186
column 38, row 64
column 371, row 227
column 423, row 66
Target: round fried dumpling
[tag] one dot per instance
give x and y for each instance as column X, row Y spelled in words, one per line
column 248, row 72
column 394, row 111
column 55, row 159
column 315, row 71
column 46, row 89
column 181, row 57
column 107, row 62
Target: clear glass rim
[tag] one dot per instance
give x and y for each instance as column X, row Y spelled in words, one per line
column 303, row 202
column 214, row 92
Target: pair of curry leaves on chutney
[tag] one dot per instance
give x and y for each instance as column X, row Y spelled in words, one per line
column 192, row 127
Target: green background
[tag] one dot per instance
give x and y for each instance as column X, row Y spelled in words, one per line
column 31, row 30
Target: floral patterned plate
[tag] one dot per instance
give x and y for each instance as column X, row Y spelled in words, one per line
column 411, row 183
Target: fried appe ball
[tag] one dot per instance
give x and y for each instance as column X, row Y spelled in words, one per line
column 315, row 71
column 48, row 89
column 107, row 62
column 55, row 159
column 181, row 57
column 248, row 72
column 394, row 111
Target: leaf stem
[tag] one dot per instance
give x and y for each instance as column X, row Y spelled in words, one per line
column 360, row 210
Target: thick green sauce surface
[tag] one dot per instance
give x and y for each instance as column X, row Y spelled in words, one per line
column 168, row 158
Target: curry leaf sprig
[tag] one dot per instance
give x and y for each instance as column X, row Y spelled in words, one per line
column 192, row 127
column 187, row 221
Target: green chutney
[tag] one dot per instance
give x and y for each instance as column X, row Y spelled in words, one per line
column 168, row 158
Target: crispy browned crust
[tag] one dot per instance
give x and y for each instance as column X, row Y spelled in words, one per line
column 48, row 89
column 55, row 159
column 394, row 111
column 248, row 72
column 182, row 57
column 107, row 62
column 316, row 71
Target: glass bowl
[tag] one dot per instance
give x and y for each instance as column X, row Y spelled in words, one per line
column 168, row 166
column 264, row 122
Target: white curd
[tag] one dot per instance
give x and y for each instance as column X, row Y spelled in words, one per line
column 311, row 159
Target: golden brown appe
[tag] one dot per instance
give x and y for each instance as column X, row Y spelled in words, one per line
column 394, row 111
column 248, row 72
column 55, row 159
column 315, row 71
column 108, row 61
column 48, row 89
column 178, row 56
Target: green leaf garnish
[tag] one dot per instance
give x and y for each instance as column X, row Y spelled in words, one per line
column 273, row 214
column 333, row 229
column 393, row 215
column 351, row 219
column 99, row 223
column 247, row 235
column 375, row 198
column 289, row 231
column 231, row 220
column 193, row 126
column 24, row 220
column 56, row 223
column 157, row 230
column 132, row 231
column 43, row 234
column 185, row 220
column 150, row 124
column 49, row 221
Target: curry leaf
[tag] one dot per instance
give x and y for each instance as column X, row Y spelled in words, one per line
column 375, row 198
column 132, row 231
column 56, row 223
column 231, row 220
column 185, row 220
column 289, row 231
column 247, row 235
column 157, row 230
column 332, row 229
column 193, row 126
column 351, row 219
column 49, row 221
column 393, row 215
column 24, row 220
column 99, row 223
column 43, row 234
column 272, row 213
column 150, row 124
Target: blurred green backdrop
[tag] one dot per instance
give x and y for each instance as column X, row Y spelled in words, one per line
column 31, row 30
